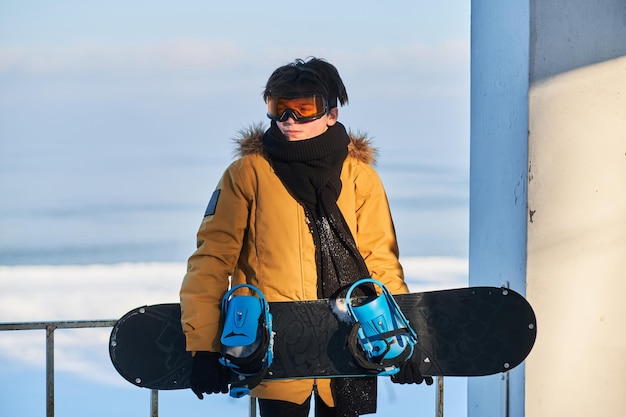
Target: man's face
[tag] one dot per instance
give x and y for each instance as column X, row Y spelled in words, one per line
column 294, row 131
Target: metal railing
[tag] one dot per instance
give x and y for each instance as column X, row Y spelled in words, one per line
column 51, row 326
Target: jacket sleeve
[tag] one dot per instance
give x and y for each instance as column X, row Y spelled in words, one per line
column 219, row 242
column 376, row 236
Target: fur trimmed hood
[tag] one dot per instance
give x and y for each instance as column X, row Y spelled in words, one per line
column 250, row 141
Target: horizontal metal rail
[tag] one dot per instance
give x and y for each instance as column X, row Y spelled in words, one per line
column 77, row 324
column 51, row 326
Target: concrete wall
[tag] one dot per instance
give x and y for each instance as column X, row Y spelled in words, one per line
column 576, row 267
column 576, row 270
column 561, row 240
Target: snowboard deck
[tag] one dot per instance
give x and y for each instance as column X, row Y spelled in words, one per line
column 461, row 332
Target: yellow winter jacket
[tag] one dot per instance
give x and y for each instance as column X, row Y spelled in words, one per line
column 257, row 233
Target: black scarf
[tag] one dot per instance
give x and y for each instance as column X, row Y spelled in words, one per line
column 310, row 170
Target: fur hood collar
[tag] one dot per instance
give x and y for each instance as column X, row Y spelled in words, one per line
column 249, row 142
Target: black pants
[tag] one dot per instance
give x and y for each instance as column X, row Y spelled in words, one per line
column 277, row 408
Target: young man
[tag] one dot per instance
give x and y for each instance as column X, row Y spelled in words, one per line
column 302, row 214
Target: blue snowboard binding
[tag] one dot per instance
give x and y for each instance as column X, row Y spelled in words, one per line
column 247, row 338
column 381, row 338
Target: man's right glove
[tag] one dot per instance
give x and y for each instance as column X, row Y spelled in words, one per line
column 208, row 375
column 410, row 372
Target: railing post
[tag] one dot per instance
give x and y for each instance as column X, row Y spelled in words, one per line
column 50, row 370
column 252, row 412
column 154, row 403
column 439, row 397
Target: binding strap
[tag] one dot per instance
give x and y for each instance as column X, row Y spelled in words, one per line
column 378, row 363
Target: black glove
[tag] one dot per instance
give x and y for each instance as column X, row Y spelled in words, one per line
column 410, row 372
column 208, row 375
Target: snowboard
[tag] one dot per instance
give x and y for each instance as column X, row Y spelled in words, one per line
column 471, row 331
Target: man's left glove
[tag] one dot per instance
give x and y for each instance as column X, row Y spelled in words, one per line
column 410, row 372
column 208, row 375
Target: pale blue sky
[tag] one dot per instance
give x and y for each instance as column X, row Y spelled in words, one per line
column 67, row 21
column 171, row 83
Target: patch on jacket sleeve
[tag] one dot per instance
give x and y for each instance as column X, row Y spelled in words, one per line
column 210, row 209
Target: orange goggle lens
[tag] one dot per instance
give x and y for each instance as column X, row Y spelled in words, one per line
column 301, row 109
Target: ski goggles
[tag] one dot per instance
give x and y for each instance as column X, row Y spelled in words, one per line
column 303, row 108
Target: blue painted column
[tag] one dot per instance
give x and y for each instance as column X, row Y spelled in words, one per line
column 498, row 175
